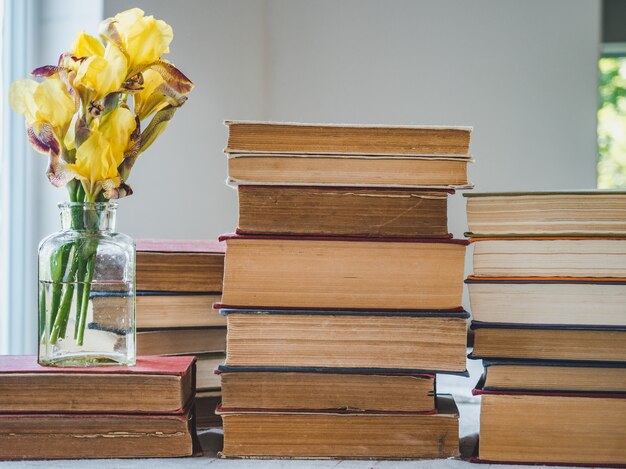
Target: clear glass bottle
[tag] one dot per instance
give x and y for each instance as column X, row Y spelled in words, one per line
column 87, row 290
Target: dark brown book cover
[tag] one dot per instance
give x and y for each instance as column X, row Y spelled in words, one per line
column 342, row 211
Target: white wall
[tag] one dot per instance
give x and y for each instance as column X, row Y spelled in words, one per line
column 179, row 182
column 522, row 73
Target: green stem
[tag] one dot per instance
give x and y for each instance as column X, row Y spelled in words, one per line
column 85, row 298
column 80, row 274
column 60, row 321
column 58, row 267
column 42, row 309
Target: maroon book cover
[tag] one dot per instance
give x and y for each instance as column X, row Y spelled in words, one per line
column 146, row 365
column 25, row 371
column 229, row 236
column 239, row 410
column 180, row 246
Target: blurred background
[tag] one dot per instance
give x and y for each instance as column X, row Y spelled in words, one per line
column 543, row 83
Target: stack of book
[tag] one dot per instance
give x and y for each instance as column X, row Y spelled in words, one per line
column 548, row 299
column 100, row 412
column 342, row 291
column 177, row 284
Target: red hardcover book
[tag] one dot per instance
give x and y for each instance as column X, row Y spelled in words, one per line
column 112, row 435
column 163, row 385
column 552, row 428
column 304, row 433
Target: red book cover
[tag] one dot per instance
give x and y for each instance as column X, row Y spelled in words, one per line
column 146, row 365
column 228, row 236
column 180, row 246
column 238, row 410
column 156, row 385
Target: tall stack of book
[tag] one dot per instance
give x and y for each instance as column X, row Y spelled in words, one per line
column 102, row 412
column 177, row 284
column 548, row 299
column 342, row 291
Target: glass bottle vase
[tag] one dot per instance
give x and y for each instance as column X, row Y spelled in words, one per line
column 87, row 290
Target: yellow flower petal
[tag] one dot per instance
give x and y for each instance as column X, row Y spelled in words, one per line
column 94, row 162
column 21, row 99
column 144, row 38
column 70, row 136
column 86, row 46
column 54, row 103
column 149, row 100
column 103, row 75
column 116, row 127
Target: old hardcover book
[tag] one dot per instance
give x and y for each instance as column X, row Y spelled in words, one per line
column 159, row 309
column 343, row 273
column 549, row 257
column 357, row 171
column 176, row 341
column 276, row 390
column 358, row 435
column 78, row 436
column 555, row 376
column 205, row 403
column 567, row 213
column 342, row 211
column 180, row 266
column 154, row 385
column 206, row 365
column 341, row 139
column 590, row 301
column 546, row 342
column 552, row 429
column 335, row 340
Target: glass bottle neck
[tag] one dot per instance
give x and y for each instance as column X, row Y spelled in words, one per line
column 86, row 216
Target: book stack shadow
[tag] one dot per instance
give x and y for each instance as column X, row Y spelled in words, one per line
column 548, row 298
column 177, row 284
column 342, row 291
column 142, row 411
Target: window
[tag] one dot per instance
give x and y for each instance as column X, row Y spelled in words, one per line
column 612, row 123
column 612, row 97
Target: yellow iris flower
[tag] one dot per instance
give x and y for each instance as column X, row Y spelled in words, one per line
column 79, row 114
column 144, row 38
column 101, row 75
column 98, row 157
column 44, row 105
column 95, row 163
column 116, row 127
column 86, row 46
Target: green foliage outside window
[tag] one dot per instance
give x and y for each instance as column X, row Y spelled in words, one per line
column 612, row 123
